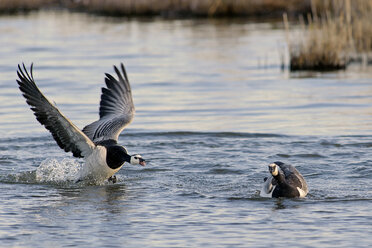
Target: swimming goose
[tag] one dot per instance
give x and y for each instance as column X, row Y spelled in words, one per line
column 284, row 181
column 97, row 142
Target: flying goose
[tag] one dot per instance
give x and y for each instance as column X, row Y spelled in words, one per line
column 97, row 142
column 284, row 181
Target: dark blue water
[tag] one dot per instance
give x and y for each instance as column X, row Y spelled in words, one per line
column 213, row 110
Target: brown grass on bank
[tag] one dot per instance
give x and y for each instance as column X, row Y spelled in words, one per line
column 167, row 8
column 11, row 6
column 190, row 7
column 336, row 32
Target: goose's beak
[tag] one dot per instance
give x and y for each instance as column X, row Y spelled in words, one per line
column 142, row 162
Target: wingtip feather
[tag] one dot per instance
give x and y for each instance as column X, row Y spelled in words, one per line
column 124, row 71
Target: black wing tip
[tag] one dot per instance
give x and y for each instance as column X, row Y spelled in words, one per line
column 116, row 69
column 109, row 76
column 124, row 72
column 23, row 73
column 121, row 66
column 122, row 76
column 23, row 68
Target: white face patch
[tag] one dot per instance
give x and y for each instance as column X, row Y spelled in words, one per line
column 273, row 169
column 135, row 159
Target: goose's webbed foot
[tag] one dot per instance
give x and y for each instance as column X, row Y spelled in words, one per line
column 112, row 179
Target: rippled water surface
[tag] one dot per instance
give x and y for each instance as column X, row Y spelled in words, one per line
column 213, row 110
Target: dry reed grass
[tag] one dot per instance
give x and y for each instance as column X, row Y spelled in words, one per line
column 336, row 32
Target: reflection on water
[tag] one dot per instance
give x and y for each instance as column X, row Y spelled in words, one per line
column 110, row 198
column 186, row 75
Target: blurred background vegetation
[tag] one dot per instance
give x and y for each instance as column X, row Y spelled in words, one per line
column 167, row 8
column 329, row 35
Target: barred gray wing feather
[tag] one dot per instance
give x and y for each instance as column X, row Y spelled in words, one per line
column 116, row 109
column 64, row 132
column 287, row 169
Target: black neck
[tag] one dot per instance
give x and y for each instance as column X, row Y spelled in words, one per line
column 280, row 177
column 116, row 156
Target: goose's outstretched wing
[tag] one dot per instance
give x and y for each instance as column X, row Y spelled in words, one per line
column 65, row 133
column 116, row 109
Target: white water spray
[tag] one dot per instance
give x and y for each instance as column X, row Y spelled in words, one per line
column 52, row 170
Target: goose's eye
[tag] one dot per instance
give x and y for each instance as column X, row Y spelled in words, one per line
column 135, row 157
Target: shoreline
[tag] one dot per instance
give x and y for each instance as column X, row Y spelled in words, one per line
column 166, row 8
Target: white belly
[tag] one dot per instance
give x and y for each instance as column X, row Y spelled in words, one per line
column 96, row 168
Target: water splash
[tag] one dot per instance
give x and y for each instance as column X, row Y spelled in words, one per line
column 65, row 172
column 53, row 171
